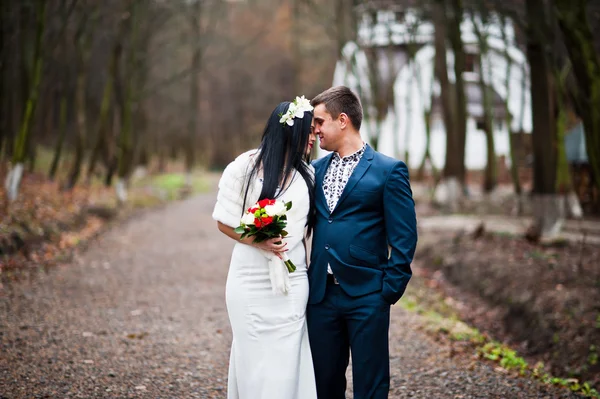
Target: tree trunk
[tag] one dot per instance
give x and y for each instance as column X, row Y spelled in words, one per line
column 564, row 184
column 491, row 175
column 407, row 129
column 295, row 34
column 454, row 34
column 427, row 154
column 111, row 160
column 13, row 179
column 579, row 42
column 31, row 154
column 62, row 132
column 5, row 18
column 102, row 127
column 441, row 72
column 447, row 194
column 549, row 213
column 83, row 49
column 62, row 88
column 162, row 160
column 514, row 170
column 194, row 91
column 81, row 127
column 126, row 135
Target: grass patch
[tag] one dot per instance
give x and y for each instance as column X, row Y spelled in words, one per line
column 171, row 186
column 440, row 319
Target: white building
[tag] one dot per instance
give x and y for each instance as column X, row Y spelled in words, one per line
column 403, row 91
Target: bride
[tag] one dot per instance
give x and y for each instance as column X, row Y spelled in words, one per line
column 270, row 353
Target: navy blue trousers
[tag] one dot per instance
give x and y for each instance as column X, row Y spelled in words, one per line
column 341, row 324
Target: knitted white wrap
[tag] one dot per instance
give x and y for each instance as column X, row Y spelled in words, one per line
column 228, row 210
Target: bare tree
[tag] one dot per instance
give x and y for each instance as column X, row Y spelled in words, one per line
column 548, row 212
column 65, row 11
column 452, row 175
column 514, row 171
column 13, row 179
column 83, row 42
column 454, row 35
column 126, row 99
column 579, row 42
column 485, row 85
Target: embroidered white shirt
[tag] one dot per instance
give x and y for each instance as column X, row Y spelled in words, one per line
column 337, row 175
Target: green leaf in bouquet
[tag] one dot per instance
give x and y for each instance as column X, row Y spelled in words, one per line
column 284, row 233
column 239, row 230
column 288, row 205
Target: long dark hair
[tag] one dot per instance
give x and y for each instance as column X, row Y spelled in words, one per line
column 282, row 152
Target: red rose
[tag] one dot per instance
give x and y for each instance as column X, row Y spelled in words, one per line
column 262, row 222
column 267, row 220
column 265, row 202
column 252, row 210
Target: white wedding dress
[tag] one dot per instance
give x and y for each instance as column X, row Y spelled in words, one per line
column 270, row 352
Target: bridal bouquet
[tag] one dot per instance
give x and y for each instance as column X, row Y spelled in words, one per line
column 264, row 220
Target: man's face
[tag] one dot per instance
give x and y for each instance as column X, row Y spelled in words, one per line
column 326, row 128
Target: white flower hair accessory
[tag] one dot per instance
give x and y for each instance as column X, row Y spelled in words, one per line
column 296, row 110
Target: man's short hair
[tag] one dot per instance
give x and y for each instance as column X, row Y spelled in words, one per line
column 340, row 99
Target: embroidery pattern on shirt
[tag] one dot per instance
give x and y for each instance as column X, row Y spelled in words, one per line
column 337, row 175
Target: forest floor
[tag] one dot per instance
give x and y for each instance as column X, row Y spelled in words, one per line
column 140, row 312
column 45, row 224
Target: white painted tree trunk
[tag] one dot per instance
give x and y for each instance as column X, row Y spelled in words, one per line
column 448, row 194
column 548, row 215
column 188, row 180
column 13, row 181
column 574, row 209
column 521, row 205
column 121, row 190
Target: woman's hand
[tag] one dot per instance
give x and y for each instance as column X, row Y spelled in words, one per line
column 275, row 245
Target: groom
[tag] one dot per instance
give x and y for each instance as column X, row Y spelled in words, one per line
column 364, row 239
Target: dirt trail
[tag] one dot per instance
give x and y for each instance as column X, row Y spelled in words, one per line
column 142, row 314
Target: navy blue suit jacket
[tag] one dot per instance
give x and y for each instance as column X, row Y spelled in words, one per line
column 370, row 237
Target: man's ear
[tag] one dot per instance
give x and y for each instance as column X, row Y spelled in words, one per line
column 344, row 120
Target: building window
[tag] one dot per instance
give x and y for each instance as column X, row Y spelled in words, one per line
column 470, row 62
column 480, row 125
column 498, row 124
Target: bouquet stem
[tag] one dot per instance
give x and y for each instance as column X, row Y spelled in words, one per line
column 288, row 263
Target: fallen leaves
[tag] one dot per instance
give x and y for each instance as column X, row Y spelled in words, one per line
column 46, row 223
column 141, row 335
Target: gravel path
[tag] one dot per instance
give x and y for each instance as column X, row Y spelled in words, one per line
column 141, row 314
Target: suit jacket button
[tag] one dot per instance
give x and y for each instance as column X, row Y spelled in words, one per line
column 327, row 246
column 330, row 220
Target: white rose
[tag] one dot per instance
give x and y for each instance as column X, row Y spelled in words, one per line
column 248, row 219
column 277, row 209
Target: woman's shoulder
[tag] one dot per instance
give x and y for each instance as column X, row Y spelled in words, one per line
column 236, row 171
column 241, row 162
column 246, row 157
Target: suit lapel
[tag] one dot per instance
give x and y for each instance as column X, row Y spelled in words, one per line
column 320, row 175
column 359, row 171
